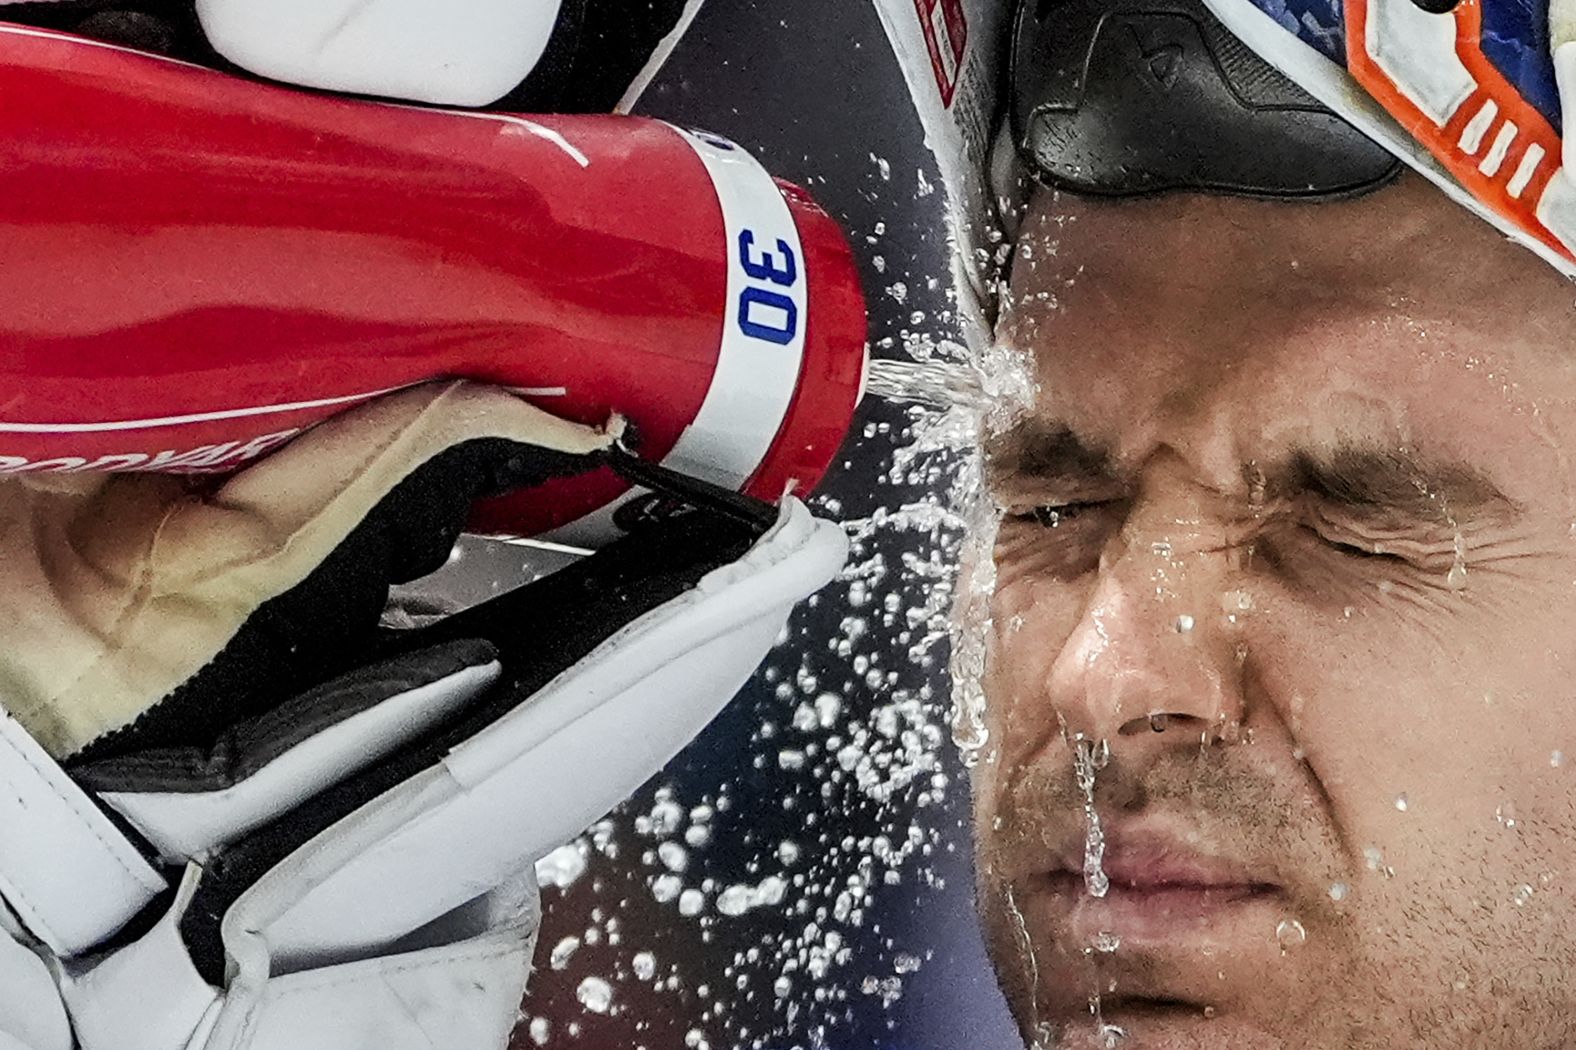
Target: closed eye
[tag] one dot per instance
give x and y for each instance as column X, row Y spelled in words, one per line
column 1054, row 515
column 1060, row 541
column 1351, row 548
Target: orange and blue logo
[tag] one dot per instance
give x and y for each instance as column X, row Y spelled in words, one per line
column 1473, row 82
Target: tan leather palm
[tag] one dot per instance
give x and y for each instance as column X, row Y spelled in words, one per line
column 116, row 588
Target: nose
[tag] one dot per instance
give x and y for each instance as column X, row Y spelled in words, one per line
column 1153, row 663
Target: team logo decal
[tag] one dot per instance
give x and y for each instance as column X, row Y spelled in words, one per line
column 1433, row 73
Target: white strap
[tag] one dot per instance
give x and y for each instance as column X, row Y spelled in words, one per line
column 576, row 748
column 31, row 1014
column 65, row 870
column 187, row 824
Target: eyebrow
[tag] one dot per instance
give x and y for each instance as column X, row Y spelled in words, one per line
column 1386, row 484
column 1037, row 450
column 1370, row 483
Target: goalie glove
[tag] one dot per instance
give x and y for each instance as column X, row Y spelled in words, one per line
column 239, row 812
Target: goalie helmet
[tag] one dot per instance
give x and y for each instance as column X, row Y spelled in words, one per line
column 1304, row 99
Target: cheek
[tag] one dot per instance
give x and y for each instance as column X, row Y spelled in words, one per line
column 1427, row 743
column 1031, row 621
column 1038, row 592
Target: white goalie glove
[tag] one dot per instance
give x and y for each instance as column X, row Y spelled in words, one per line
column 463, row 54
column 540, row 56
column 240, row 813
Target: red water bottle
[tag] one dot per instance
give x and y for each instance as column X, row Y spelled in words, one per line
column 195, row 267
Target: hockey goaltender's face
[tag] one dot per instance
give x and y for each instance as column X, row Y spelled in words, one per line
column 1290, row 545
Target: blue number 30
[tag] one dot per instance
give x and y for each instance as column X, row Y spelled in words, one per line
column 782, row 322
column 765, row 268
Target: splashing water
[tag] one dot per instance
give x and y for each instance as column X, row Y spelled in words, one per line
column 1044, row 1037
column 1088, row 760
column 935, row 384
column 860, row 730
column 992, row 386
column 960, row 395
column 595, row 995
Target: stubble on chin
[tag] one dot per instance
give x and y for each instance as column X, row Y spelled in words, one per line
column 1439, row 966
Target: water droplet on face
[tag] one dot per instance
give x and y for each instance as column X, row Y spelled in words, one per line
column 1375, row 861
column 1339, row 890
column 1088, row 759
column 1505, row 813
column 1236, row 602
column 1522, row 895
column 1111, row 1036
column 1184, row 624
column 1158, row 721
column 1456, row 578
column 1290, row 935
column 1401, row 802
column 1161, row 549
column 1209, row 1013
column 1106, row 1036
column 1105, row 942
column 1556, row 759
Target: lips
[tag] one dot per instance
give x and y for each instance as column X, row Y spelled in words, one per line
column 1151, row 864
column 1162, row 889
column 1185, row 935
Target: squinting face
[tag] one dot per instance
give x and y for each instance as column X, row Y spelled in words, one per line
column 1289, row 537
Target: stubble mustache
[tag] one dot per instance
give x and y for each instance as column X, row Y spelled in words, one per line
column 1219, row 804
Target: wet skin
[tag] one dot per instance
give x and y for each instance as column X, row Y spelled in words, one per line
column 1289, row 528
